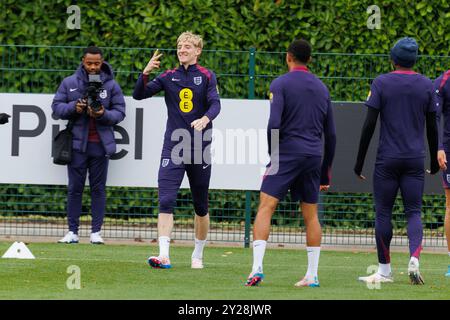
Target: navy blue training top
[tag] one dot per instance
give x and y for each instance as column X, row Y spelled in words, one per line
column 189, row 95
column 403, row 99
column 300, row 108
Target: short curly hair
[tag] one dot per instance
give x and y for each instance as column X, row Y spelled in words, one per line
column 301, row 50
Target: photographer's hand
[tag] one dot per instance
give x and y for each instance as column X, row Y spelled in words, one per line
column 97, row 114
column 81, row 105
column 153, row 63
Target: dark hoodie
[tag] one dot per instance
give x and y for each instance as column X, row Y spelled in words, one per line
column 73, row 88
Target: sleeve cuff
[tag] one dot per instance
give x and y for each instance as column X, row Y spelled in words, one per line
column 209, row 117
column 72, row 107
column 104, row 116
column 145, row 79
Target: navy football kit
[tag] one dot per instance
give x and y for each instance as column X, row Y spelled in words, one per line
column 300, row 109
column 190, row 94
column 404, row 100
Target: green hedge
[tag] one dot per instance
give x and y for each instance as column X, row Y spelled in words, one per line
column 267, row 25
column 338, row 26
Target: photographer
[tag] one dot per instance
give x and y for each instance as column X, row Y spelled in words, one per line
column 93, row 100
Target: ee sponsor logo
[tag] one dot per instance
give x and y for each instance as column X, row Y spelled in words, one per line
column 186, row 96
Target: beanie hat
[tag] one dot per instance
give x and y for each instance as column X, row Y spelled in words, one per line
column 404, row 52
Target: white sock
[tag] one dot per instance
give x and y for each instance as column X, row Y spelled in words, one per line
column 414, row 260
column 384, row 269
column 164, row 243
column 198, row 249
column 259, row 248
column 313, row 261
column 449, row 253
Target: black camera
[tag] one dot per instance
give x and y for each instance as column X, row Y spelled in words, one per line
column 93, row 90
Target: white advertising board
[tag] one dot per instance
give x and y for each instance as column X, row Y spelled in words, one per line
column 239, row 146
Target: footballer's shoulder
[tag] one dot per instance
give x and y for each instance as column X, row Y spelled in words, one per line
column 381, row 79
column 284, row 78
column 168, row 72
column 205, row 71
column 277, row 82
column 424, row 78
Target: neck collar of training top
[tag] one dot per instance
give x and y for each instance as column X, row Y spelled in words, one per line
column 191, row 67
column 300, row 68
column 404, row 72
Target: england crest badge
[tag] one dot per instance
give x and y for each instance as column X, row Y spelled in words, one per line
column 198, row 80
column 165, row 162
column 103, row 94
column 448, row 178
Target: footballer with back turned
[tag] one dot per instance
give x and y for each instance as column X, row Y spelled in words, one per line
column 301, row 113
column 404, row 99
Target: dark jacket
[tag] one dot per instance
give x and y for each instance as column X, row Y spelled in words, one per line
column 73, row 88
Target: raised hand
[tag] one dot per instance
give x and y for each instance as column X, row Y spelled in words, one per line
column 153, row 63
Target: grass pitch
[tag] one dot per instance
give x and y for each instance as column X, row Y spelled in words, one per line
column 122, row 272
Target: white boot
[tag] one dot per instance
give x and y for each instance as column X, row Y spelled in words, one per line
column 96, row 238
column 70, row 237
column 413, row 271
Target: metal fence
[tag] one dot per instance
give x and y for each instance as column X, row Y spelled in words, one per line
column 347, row 219
column 240, row 74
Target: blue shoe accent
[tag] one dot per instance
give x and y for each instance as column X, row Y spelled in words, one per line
column 448, row 272
column 314, row 285
column 157, row 264
column 254, row 280
column 305, row 282
column 71, row 242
